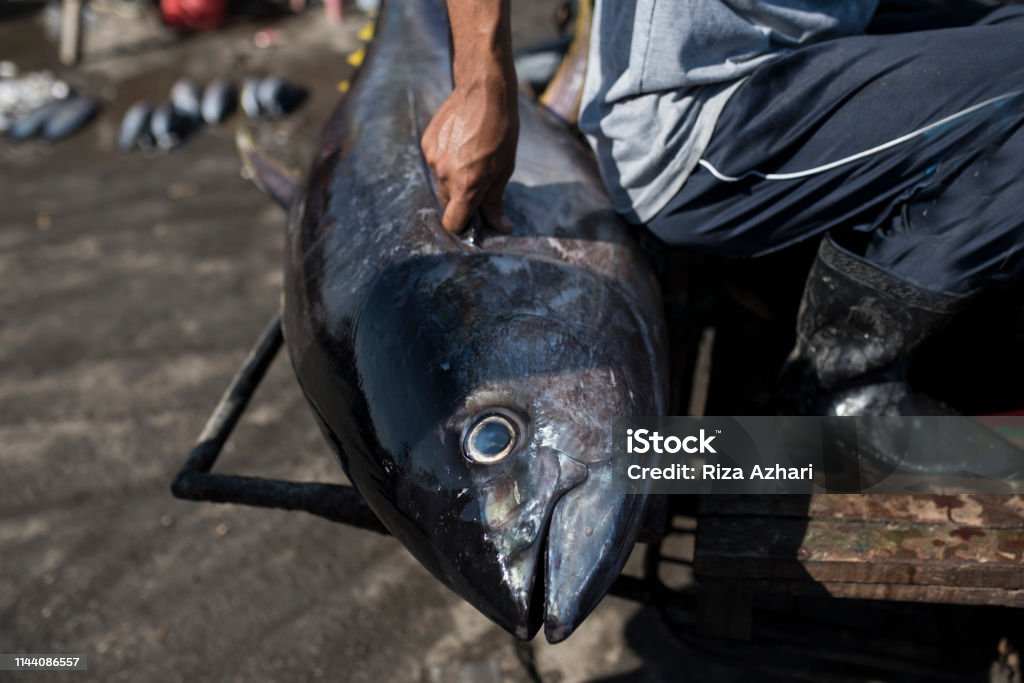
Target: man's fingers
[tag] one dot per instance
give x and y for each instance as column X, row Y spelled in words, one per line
column 457, row 215
column 442, row 189
column 459, row 210
column 493, row 211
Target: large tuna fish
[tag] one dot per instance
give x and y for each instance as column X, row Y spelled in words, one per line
column 469, row 386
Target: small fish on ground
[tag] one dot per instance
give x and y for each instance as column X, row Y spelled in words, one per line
column 71, row 115
column 278, row 97
column 32, row 123
column 134, row 126
column 167, row 127
column 219, row 101
column 185, row 97
column 250, row 101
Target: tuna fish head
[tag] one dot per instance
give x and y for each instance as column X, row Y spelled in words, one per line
column 491, row 383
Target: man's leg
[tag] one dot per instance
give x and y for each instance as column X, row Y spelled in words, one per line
column 965, row 233
column 841, row 135
column 909, row 150
column 868, row 307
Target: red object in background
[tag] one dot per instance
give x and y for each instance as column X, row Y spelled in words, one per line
column 193, row 15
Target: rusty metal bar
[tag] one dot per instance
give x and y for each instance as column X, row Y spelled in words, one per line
column 196, row 482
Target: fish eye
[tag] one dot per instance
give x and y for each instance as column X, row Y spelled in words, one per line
column 490, row 438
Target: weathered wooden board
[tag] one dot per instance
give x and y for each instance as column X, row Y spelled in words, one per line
column 978, row 510
column 864, row 552
column 957, row 595
column 965, row 549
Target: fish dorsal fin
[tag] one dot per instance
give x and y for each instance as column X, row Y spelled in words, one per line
column 565, row 92
column 277, row 180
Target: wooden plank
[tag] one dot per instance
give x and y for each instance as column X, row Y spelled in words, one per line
column 860, row 552
column 989, row 511
column 956, row 595
column 71, row 32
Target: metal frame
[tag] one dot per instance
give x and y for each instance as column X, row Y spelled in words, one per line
column 197, row 482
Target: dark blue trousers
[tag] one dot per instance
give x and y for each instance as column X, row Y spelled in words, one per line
column 907, row 147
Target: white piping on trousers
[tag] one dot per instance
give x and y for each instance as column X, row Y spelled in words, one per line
column 859, row 155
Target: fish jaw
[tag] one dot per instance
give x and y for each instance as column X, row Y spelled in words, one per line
column 485, row 540
column 519, row 550
column 590, row 537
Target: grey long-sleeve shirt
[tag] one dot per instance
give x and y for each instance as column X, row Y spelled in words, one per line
column 661, row 71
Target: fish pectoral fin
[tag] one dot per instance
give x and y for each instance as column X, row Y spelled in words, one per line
column 564, row 92
column 277, row 180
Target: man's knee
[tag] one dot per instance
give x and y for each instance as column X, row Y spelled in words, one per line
column 740, row 241
column 687, row 235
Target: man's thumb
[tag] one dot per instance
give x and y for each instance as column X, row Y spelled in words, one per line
column 493, row 212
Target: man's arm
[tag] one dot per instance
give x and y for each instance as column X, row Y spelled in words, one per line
column 471, row 142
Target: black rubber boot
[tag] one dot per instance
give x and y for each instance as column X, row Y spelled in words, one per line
column 857, row 331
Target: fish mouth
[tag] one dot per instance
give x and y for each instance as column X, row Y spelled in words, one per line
column 587, row 539
column 590, row 536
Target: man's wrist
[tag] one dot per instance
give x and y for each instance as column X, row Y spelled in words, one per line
column 490, row 79
column 482, row 44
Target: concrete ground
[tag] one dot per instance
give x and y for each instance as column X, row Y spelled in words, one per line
column 133, row 285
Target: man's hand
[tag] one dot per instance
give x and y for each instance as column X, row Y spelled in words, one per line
column 471, row 142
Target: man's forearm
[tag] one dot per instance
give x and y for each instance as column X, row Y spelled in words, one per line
column 482, row 43
column 470, row 143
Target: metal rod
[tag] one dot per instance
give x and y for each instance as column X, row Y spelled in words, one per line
column 195, row 482
column 331, row 501
column 235, row 399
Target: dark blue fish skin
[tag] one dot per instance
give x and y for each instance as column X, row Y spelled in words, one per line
column 167, row 127
column 277, row 97
column 31, row 124
column 220, row 98
column 404, row 338
column 185, row 98
column 69, row 118
column 249, row 99
column 134, row 126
